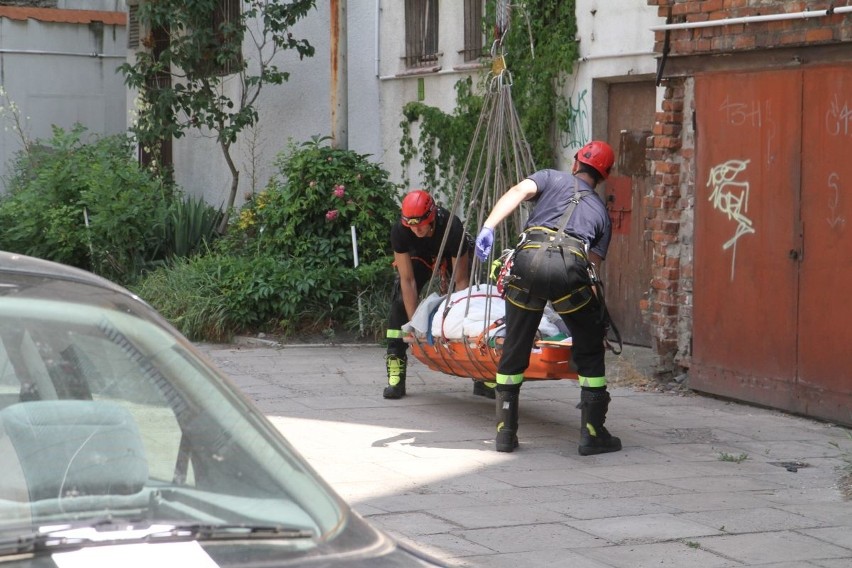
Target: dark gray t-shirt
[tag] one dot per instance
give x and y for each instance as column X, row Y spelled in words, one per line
column 590, row 221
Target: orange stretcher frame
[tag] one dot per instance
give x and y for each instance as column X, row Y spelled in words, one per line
column 475, row 359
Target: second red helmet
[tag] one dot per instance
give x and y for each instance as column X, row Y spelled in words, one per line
column 418, row 208
column 597, row 154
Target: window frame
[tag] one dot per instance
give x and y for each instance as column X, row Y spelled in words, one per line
column 421, row 33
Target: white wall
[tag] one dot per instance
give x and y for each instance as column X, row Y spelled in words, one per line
column 400, row 86
column 616, row 45
column 60, row 74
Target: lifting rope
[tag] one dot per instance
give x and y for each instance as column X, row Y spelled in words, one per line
column 498, row 158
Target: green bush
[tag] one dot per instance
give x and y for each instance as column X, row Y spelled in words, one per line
column 215, row 296
column 190, row 225
column 286, row 264
column 87, row 204
column 308, row 208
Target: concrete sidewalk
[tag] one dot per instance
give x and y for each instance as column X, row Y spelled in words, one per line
column 700, row 482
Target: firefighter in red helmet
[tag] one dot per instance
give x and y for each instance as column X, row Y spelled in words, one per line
column 567, row 233
column 416, row 242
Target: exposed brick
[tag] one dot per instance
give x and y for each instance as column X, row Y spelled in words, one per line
column 671, row 227
column 667, row 142
column 819, row 35
column 794, row 37
column 668, row 311
column 668, row 168
column 712, row 5
column 671, row 179
column 661, row 237
column 675, row 105
column 663, row 284
column 665, row 297
column 744, row 42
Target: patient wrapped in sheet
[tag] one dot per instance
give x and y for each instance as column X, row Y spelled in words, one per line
column 472, row 313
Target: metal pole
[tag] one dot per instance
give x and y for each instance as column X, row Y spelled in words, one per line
column 339, row 76
column 754, row 19
column 355, row 255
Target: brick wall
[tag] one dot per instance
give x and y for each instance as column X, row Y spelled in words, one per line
column 748, row 36
column 671, row 149
column 666, row 207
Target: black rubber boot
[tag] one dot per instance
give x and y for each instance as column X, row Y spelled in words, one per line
column 507, row 418
column 481, row 388
column 594, row 437
column 396, row 376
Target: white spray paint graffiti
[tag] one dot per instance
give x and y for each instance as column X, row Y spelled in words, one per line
column 731, row 198
column 838, row 118
column 834, row 220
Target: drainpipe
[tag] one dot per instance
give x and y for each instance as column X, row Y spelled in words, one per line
column 378, row 37
column 339, row 80
column 754, row 19
column 94, row 55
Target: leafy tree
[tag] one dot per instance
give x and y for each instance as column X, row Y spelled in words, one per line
column 180, row 81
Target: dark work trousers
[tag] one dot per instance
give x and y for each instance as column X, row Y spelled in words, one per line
column 561, row 277
column 398, row 316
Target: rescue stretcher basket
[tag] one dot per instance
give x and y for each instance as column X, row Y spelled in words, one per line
column 477, row 359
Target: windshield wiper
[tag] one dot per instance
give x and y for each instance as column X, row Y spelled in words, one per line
column 200, row 531
column 68, row 537
column 37, row 542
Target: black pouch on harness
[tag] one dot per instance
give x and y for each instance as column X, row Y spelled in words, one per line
column 522, row 298
column 573, row 301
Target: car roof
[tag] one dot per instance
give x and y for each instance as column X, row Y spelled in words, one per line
column 22, row 264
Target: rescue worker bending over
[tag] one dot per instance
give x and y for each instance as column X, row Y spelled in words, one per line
column 557, row 266
column 416, row 241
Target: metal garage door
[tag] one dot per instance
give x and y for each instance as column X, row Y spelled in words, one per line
column 769, row 263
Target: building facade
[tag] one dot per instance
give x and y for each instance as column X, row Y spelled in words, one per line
column 749, row 208
column 58, row 66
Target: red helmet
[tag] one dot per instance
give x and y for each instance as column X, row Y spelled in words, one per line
column 597, row 154
column 418, row 208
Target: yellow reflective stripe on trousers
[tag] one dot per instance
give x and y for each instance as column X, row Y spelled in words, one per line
column 509, row 379
column 591, row 381
column 394, row 334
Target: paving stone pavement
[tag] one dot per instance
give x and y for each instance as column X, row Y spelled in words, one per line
column 701, row 482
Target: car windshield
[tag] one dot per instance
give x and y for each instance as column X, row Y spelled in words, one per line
column 106, row 412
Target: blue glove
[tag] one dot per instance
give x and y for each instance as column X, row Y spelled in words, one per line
column 483, row 242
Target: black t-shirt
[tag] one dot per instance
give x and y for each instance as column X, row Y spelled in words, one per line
column 404, row 240
column 590, row 221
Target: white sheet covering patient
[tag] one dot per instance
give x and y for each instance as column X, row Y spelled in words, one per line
column 471, row 312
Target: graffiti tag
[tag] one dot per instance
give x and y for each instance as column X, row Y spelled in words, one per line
column 834, row 201
column 837, row 118
column 576, row 130
column 730, row 196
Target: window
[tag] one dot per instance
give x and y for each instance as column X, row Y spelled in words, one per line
column 227, row 49
column 473, row 39
column 132, row 26
column 421, row 33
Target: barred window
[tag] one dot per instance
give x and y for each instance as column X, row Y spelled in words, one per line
column 132, row 26
column 421, row 33
column 227, row 49
column 473, row 38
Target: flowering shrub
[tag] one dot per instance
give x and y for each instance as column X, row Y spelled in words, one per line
column 309, row 207
column 287, row 259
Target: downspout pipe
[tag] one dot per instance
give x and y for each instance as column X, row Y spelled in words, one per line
column 339, row 76
column 754, row 19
